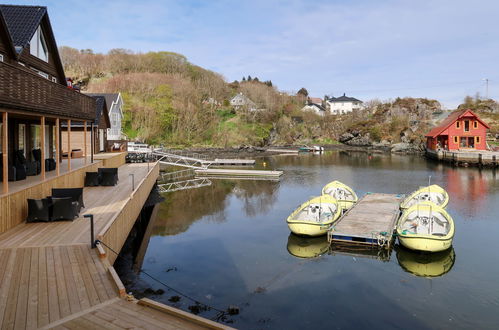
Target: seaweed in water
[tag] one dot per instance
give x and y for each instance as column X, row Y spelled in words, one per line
column 174, row 299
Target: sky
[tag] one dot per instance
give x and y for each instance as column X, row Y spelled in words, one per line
column 441, row 49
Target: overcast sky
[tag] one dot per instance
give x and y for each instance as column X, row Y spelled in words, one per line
column 367, row 49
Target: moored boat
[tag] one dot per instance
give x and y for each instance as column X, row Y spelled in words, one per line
column 426, row 227
column 314, row 217
column 433, row 193
column 312, row 149
column 345, row 195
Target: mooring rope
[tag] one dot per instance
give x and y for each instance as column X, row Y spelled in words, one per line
column 221, row 315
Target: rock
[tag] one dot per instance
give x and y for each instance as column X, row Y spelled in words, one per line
column 406, row 147
column 360, row 141
column 233, row 310
column 345, row 137
column 174, row 298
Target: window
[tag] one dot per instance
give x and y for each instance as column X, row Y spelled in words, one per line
column 38, row 46
column 458, row 124
column 21, row 144
column 455, row 139
column 1, row 58
column 35, row 136
column 477, row 139
column 54, row 79
column 466, row 125
column 475, row 124
column 1, row 137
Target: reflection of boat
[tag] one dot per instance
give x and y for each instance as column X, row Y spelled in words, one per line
column 311, row 149
column 426, row 264
column 433, row 193
column 307, row 247
column 314, row 217
column 345, row 195
column 426, row 227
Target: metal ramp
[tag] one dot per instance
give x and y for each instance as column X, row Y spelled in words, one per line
column 180, row 158
column 183, row 185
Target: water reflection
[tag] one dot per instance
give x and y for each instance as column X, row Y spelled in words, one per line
column 307, row 247
column 425, row 264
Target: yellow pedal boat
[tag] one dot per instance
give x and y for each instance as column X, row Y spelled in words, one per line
column 345, row 195
column 314, row 217
column 433, row 193
column 426, row 227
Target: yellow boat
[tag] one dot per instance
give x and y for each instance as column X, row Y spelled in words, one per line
column 426, row 227
column 314, row 217
column 345, row 195
column 426, row 264
column 307, row 247
column 433, row 193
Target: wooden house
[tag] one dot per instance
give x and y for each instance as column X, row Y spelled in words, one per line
column 34, row 98
column 461, row 130
column 97, row 132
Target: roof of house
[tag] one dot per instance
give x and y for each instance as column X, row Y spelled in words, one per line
column 452, row 119
column 100, row 105
column 310, row 104
column 110, row 98
column 22, row 22
column 315, row 100
column 4, row 31
column 343, row 98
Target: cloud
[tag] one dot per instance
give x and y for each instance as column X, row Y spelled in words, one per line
column 378, row 49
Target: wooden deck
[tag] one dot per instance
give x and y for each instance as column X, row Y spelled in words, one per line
column 51, row 278
column 368, row 220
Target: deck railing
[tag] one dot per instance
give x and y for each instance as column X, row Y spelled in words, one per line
column 20, row 89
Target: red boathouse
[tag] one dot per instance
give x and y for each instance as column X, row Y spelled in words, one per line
column 462, row 129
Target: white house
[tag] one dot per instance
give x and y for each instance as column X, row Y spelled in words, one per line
column 343, row 104
column 115, row 110
column 316, row 108
column 242, row 101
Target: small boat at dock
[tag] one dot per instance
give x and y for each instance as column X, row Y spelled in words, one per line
column 314, row 217
column 345, row 195
column 425, row 227
column 433, row 193
column 311, row 149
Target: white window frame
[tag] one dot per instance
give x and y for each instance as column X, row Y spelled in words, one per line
column 54, row 80
column 1, row 57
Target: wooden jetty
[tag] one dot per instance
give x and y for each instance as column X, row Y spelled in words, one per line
column 50, row 277
column 232, row 162
column 371, row 221
column 283, row 151
column 235, row 173
column 470, row 157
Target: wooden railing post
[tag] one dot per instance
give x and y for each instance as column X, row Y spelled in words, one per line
column 69, row 145
column 85, row 141
column 57, row 147
column 42, row 147
column 5, row 152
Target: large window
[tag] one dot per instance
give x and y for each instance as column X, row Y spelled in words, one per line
column 21, row 144
column 38, row 46
column 35, row 136
column 466, row 125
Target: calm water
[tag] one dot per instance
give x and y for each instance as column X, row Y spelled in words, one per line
column 228, row 244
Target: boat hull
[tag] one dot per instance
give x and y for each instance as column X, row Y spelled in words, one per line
column 345, row 204
column 427, row 244
column 307, row 229
column 409, row 201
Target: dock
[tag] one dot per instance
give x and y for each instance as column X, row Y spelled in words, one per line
column 232, row 162
column 283, row 151
column 371, row 221
column 471, row 157
column 236, row 173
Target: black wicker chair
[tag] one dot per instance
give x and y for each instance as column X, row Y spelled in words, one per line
column 76, row 195
column 30, row 168
column 49, row 164
column 37, row 156
column 12, row 171
column 91, row 179
column 39, row 210
column 64, row 208
column 108, row 176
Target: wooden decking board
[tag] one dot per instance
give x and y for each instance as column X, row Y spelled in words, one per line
column 373, row 214
column 32, row 312
column 5, row 284
column 43, row 309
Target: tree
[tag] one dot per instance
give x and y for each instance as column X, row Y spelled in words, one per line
column 303, row 91
column 244, row 79
column 256, row 79
column 249, row 78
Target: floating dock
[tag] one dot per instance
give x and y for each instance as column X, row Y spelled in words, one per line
column 284, row 151
column 371, row 221
column 232, row 162
column 235, row 173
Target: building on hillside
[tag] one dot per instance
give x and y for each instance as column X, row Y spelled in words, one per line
column 34, row 98
column 96, row 131
column 343, row 104
column 461, row 130
column 241, row 101
column 114, row 105
column 314, row 100
column 316, row 108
